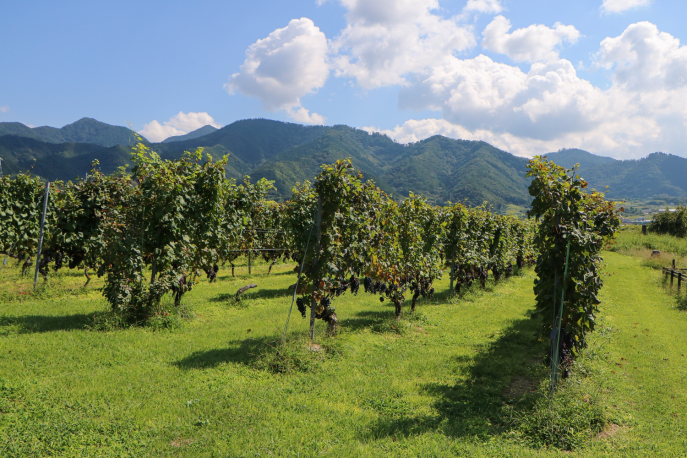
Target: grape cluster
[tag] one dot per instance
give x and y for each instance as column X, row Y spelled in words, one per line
column 327, row 309
column 59, row 258
column 343, row 287
column 423, row 288
column 75, row 260
column 300, row 303
column 374, row 287
column 355, row 284
column 367, row 284
column 212, row 273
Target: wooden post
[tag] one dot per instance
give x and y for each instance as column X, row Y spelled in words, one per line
column 40, row 237
column 672, row 275
column 644, row 229
column 313, row 304
column 673, row 264
column 679, row 281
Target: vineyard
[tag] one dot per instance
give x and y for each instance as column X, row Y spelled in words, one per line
column 163, row 228
column 181, row 220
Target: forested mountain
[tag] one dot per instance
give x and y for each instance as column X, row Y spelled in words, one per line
column 440, row 168
column 58, row 161
column 251, row 140
column 191, row 135
column 569, row 157
column 85, row 130
column 655, row 175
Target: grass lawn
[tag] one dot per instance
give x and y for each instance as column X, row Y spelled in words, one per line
column 459, row 378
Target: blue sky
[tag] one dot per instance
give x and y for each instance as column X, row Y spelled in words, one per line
column 608, row 76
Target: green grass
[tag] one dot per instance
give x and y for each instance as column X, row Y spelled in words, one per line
column 459, row 378
column 631, row 241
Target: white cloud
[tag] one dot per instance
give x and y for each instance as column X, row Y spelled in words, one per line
column 531, row 44
column 618, row 6
column 484, row 6
column 285, row 66
column 613, row 139
column 4, row 109
column 644, row 58
column 180, row 124
column 387, row 40
column 409, row 44
column 551, row 107
column 482, row 94
column 300, row 114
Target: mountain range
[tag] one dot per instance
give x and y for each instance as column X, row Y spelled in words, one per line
column 438, row 167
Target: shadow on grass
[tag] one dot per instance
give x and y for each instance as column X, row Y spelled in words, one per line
column 468, row 294
column 256, row 293
column 506, row 372
column 39, row 323
column 368, row 319
column 239, row 351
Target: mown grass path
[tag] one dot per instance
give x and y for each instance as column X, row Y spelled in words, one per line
column 642, row 360
column 432, row 385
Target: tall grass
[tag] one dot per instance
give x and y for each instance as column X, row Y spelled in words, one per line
column 631, row 241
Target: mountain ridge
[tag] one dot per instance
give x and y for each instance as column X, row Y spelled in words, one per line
column 442, row 169
column 85, row 130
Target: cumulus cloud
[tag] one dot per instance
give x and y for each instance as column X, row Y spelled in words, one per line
column 4, row 109
column 551, row 107
column 385, row 41
column 180, row 124
column 480, row 93
column 644, row 58
column 613, row 139
column 408, row 43
column 531, row 44
column 483, row 6
column 618, row 6
column 283, row 67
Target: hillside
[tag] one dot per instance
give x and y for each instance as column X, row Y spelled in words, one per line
column 85, row 130
column 438, row 167
column 457, row 170
column 251, row 140
column 654, row 175
column 58, row 161
column 569, row 157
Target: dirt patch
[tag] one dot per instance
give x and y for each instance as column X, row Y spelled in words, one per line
column 314, row 347
column 181, row 442
column 609, row 431
column 519, row 386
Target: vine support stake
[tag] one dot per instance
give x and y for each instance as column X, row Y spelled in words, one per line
column 313, row 303
column 560, row 318
column 453, row 274
column 40, row 237
column 249, row 252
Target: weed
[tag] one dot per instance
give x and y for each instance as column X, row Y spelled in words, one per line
column 564, row 421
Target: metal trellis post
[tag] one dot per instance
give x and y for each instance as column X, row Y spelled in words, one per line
column 40, row 237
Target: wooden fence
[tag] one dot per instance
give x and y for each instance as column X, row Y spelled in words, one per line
column 675, row 273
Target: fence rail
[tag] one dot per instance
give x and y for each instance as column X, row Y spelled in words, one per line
column 675, row 273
